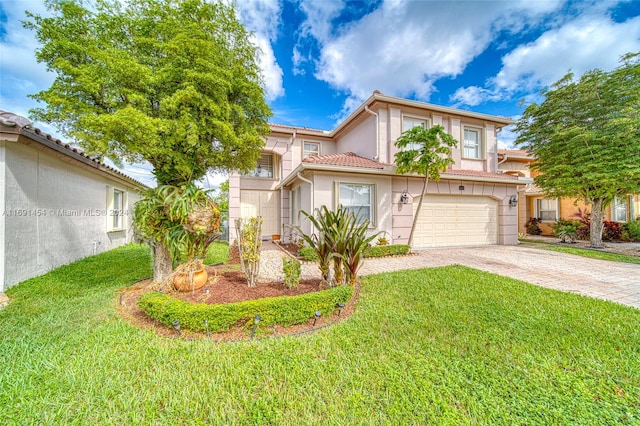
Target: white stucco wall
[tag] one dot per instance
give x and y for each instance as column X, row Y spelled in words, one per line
column 55, row 212
column 360, row 138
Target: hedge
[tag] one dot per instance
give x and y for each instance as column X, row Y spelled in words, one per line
column 307, row 253
column 283, row 310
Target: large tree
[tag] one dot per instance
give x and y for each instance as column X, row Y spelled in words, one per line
column 425, row 152
column 172, row 82
column 585, row 137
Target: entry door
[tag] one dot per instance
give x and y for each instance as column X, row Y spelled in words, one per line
column 265, row 204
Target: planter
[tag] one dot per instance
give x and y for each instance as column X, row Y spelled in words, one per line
column 275, row 237
column 190, row 280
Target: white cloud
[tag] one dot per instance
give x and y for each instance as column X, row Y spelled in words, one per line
column 403, row 47
column 582, row 44
column 262, row 17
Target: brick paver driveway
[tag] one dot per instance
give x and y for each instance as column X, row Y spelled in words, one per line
column 618, row 282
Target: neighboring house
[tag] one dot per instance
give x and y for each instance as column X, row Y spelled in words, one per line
column 303, row 169
column 57, row 204
column 534, row 203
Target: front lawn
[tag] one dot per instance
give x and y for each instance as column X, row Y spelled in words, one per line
column 446, row 345
column 584, row 252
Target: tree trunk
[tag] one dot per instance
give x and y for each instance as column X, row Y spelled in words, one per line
column 597, row 222
column 162, row 263
column 415, row 219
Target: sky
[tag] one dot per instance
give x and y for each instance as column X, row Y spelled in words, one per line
column 321, row 59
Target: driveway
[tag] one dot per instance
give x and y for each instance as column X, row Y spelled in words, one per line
column 614, row 281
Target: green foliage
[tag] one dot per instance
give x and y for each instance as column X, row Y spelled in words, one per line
column 532, row 226
column 432, row 156
column 221, row 198
column 631, row 230
column 175, row 83
column 218, row 252
column 342, row 238
column 308, row 253
column 390, row 250
column 382, row 241
column 291, row 269
column 284, row 310
column 442, row 346
column 249, row 243
column 183, row 218
column 585, row 137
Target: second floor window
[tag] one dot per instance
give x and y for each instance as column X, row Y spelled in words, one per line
column 265, row 167
column 472, row 143
column 310, row 149
column 409, row 123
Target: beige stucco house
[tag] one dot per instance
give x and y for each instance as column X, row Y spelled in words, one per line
column 303, row 169
column 535, row 203
column 57, row 204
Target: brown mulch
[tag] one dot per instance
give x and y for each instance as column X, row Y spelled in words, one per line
column 227, row 284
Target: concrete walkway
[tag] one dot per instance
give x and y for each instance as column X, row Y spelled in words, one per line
column 614, row 281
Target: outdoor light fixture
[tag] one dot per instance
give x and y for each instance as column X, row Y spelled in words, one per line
column 461, row 187
column 317, row 315
column 176, row 325
column 404, row 198
column 206, row 326
column 340, row 307
column 513, row 201
column 256, row 320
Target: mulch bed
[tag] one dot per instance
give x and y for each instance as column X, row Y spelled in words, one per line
column 227, row 285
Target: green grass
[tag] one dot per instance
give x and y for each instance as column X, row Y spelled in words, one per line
column 434, row 346
column 217, row 252
column 591, row 253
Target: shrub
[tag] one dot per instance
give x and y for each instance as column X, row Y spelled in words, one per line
column 284, row 310
column 532, row 226
column 566, row 230
column 632, row 230
column 382, row 241
column 611, row 231
column 308, row 253
column 249, row 243
column 392, row 250
column 291, row 269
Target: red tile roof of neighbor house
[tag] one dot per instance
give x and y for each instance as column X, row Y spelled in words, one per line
column 514, row 152
column 10, row 119
column 480, row 173
column 349, row 159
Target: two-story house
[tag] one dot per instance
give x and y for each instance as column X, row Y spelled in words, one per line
column 303, row 169
column 535, row 203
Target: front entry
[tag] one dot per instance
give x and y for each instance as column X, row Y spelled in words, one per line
column 265, row 204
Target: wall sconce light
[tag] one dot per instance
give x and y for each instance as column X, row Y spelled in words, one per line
column 404, row 198
column 513, row 201
column 461, row 187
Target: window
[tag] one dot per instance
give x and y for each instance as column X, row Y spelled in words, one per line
column 472, row 143
column 116, row 209
column 310, row 149
column 358, row 199
column 547, row 209
column 619, row 209
column 265, row 167
column 409, row 123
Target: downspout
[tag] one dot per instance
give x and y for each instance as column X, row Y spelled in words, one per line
column 377, row 157
column 506, row 157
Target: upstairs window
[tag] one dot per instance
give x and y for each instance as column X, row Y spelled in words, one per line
column 472, row 143
column 265, row 168
column 310, row 149
column 547, row 209
column 619, row 208
column 409, row 123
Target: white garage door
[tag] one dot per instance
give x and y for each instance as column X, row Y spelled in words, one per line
column 456, row 221
column 265, row 204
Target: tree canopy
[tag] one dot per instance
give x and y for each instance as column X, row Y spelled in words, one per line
column 585, row 137
column 175, row 83
column 426, row 152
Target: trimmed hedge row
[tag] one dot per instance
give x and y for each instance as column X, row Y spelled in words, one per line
column 283, row 310
column 307, row 253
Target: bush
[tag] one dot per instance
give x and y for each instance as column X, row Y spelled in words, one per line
column 291, row 269
column 532, row 226
column 566, row 230
column 308, row 253
column 631, row 230
column 612, row 231
column 284, row 310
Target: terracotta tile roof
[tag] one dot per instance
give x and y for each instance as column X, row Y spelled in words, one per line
column 348, row 159
column 480, row 173
column 515, row 152
column 306, row 129
column 26, row 128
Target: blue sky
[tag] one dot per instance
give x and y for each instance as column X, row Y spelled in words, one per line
column 321, row 59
